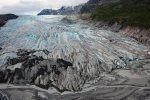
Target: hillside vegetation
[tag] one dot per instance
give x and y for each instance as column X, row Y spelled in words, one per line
column 126, row 12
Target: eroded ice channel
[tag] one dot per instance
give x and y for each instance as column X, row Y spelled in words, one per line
column 90, row 50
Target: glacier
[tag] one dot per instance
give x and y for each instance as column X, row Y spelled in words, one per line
column 104, row 62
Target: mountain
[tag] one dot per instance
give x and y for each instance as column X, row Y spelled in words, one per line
column 5, row 17
column 62, row 11
column 48, row 12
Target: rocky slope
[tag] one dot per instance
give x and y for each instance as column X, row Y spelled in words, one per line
column 69, row 54
column 5, row 17
column 139, row 34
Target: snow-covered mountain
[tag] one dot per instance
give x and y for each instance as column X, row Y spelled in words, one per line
column 61, row 11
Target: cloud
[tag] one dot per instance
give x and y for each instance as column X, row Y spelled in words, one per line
column 34, row 6
column 8, row 2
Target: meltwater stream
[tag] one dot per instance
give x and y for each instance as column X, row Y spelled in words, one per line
column 89, row 49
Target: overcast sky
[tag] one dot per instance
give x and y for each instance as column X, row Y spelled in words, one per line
column 34, row 6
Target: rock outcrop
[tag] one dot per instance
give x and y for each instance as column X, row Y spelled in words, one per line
column 5, row 17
